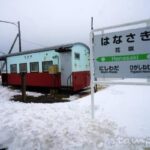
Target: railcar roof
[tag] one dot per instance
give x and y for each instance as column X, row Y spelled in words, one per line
column 65, row 46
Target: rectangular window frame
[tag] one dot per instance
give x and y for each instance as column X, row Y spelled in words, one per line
column 77, row 56
column 43, row 69
column 12, row 70
column 20, row 69
column 31, row 63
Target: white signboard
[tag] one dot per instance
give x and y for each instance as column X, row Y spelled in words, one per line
column 124, row 54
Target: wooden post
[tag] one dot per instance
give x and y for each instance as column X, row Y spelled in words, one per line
column 23, row 86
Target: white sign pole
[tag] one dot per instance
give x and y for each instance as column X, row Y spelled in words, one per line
column 92, row 68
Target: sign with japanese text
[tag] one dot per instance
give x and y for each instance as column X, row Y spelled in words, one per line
column 124, row 54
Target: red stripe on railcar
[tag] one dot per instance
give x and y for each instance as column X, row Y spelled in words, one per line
column 80, row 80
column 36, row 79
column 14, row 79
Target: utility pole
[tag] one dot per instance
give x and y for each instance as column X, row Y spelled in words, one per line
column 19, row 36
column 22, row 75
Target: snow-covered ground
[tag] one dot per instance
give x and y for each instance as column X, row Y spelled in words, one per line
column 121, row 121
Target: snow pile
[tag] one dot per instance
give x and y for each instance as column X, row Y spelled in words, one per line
column 6, row 94
column 121, row 116
column 129, row 106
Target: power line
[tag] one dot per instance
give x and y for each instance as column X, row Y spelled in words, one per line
column 8, row 22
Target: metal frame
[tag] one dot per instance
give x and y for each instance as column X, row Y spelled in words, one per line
column 93, row 81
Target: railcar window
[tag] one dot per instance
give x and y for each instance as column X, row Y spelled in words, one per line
column 23, row 67
column 46, row 65
column 13, row 68
column 34, row 67
column 77, row 56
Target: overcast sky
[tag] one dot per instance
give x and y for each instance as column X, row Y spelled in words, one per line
column 54, row 22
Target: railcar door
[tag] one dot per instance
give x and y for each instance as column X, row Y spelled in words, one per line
column 66, row 68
